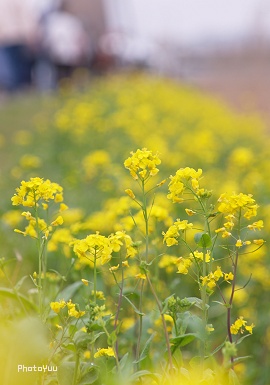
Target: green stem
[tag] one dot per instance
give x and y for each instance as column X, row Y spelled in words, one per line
column 138, row 346
column 77, row 361
column 163, row 322
column 95, row 277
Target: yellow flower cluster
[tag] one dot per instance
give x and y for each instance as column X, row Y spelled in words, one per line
column 212, row 278
column 174, row 232
column 142, row 164
column 240, row 325
column 120, row 239
column 36, row 189
column 100, row 248
column 93, row 247
column 179, row 183
column 183, row 265
column 230, row 204
column 104, row 352
column 72, row 308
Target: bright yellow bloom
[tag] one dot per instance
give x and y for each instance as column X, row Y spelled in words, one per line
column 94, row 246
column 190, row 212
column 85, row 282
column 183, row 265
column 228, row 276
column 31, row 192
column 140, row 276
column 103, row 352
column 178, row 182
column 57, row 306
column 174, row 232
column 250, row 328
column 258, row 242
column 114, row 268
column 58, row 221
column 230, row 204
column 240, row 325
column 130, row 193
column 87, row 354
column 99, row 295
column 199, row 255
column 142, row 164
column 239, row 243
column 256, row 225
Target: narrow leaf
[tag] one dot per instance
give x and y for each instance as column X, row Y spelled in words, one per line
column 145, row 350
column 183, row 340
column 203, row 240
column 133, row 306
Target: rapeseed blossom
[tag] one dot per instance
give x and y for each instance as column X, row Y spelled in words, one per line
column 183, row 179
column 174, row 232
column 36, row 189
column 104, row 352
column 142, row 164
column 240, row 325
column 93, row 247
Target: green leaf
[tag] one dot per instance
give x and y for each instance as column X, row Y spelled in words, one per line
column 238, row 360
column 195, row 362
column 82, row 339
column 146, row 349
column 143, row 373
column 133, row 306
column 242, row 338
column 166, row 304
column 183, row 340
column 67, row 293
column 20, row 282
column 65, row 373
column 10, row 293
column 203, row 240
column 89, row 374
column 233, row 379
column 197, row 302
column 112, row 338
column 123, row 361
column 218, row 348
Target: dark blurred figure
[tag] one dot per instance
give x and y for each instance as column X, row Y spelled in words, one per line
column 64, row 46
column 18, row 33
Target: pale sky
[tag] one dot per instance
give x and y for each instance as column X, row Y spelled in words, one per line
column 188, row 21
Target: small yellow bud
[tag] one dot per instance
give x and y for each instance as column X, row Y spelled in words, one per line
column 130, row 193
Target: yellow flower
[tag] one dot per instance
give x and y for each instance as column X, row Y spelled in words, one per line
column 94, row 246
column 114, row 268
column 228, row 276
column 142, row 164
column 103, row 352
column 58, row 221
column 130, row 193
column 29, row 193
column 87, row 354
column 190, row 212
column 258, row 242
column 249, row 328
column 183, row 264
column 57, row 306
column 239, row 243
column 85, row 282
column 140, row 276
column 178, row 182
column 256, row 225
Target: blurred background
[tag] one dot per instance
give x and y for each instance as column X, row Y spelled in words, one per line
column 83, row 83
column 221, row 47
